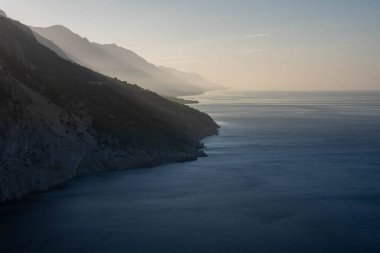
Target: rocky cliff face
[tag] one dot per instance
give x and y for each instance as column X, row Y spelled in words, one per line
column 58, row 119
column 39, row 146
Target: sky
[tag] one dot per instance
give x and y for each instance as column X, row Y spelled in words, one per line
column 241, row 44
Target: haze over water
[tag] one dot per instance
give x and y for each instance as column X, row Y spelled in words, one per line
column 290, row 172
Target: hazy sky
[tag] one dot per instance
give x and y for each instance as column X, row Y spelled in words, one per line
column 260, row 45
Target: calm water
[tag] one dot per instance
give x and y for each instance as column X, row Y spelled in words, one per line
column 290, row 172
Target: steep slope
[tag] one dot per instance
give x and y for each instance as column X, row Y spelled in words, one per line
column 52, row 46
column 59, row 119
column 117, row 62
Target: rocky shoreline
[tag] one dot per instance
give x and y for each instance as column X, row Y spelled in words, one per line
column 18, row 193
column 40, row 150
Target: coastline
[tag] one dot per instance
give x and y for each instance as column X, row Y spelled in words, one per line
column 93, row 160
column 139, row 164
column 183, row 101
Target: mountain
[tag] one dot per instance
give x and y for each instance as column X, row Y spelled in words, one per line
column 51, row 45
column 119, row 62
column 2, row 14
column 59, row 119
column 192, row 78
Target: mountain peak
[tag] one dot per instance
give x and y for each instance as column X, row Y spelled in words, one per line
column 2, row 14
column 59, row 27
column 59, row 30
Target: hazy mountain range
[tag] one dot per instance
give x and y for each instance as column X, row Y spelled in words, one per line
column 122, row 63
column 59, row 119
column 193, row 78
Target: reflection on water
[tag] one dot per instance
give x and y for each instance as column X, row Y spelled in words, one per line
column 290, row 172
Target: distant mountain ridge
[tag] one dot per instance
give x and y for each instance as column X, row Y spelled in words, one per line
column 51, row 45
column 192, row 78
column 115, row 61
column 59, row 119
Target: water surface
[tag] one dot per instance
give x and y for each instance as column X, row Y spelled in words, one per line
column 290, row 172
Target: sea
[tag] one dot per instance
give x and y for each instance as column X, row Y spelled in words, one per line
column 290, row 172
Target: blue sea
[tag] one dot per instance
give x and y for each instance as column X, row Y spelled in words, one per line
column 290, row 172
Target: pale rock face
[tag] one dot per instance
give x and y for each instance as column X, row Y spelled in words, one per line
column 2, row 14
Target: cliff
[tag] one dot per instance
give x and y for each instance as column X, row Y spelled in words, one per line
column 59, row 119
